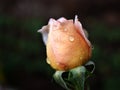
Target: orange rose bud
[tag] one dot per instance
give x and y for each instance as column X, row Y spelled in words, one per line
column 66, row 44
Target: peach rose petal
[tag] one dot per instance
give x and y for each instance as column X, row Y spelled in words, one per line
column 66, row 42
column 44, row 31
column 79, row 27
column 62, row 20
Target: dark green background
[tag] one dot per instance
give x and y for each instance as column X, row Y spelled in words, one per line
column 22, row 52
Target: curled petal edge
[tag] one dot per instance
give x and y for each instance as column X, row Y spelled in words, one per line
column 83, row 32
column 44, row 30
column 62, row 19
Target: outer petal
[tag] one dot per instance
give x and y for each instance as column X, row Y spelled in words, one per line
column 62, row 20
column 81, row 30
column 54, row 25
column 44, row 31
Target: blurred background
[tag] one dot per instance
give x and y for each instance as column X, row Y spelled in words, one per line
column 22, row 52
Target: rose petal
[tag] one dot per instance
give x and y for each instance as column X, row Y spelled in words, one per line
column 54, row 25
column 44, row 30
column 51, row 21
column 86, row 33
column 79, row 27
column 62, row 19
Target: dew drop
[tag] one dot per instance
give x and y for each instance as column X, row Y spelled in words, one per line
column 65, row 29
column 71, row 38
column 81, row 58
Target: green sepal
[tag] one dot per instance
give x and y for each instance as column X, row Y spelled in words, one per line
column 74, row 78
column 77, row 77
column 59, row 79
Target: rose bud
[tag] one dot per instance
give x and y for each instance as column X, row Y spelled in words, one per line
column 66, row 43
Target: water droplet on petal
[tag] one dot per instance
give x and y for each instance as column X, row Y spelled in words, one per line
column 81, row 58
column 71, row 38
column 65, row 29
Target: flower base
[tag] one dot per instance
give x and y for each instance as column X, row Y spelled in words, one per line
column 75, row 78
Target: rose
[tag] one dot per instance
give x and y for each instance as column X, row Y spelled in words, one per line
column 66, row 43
